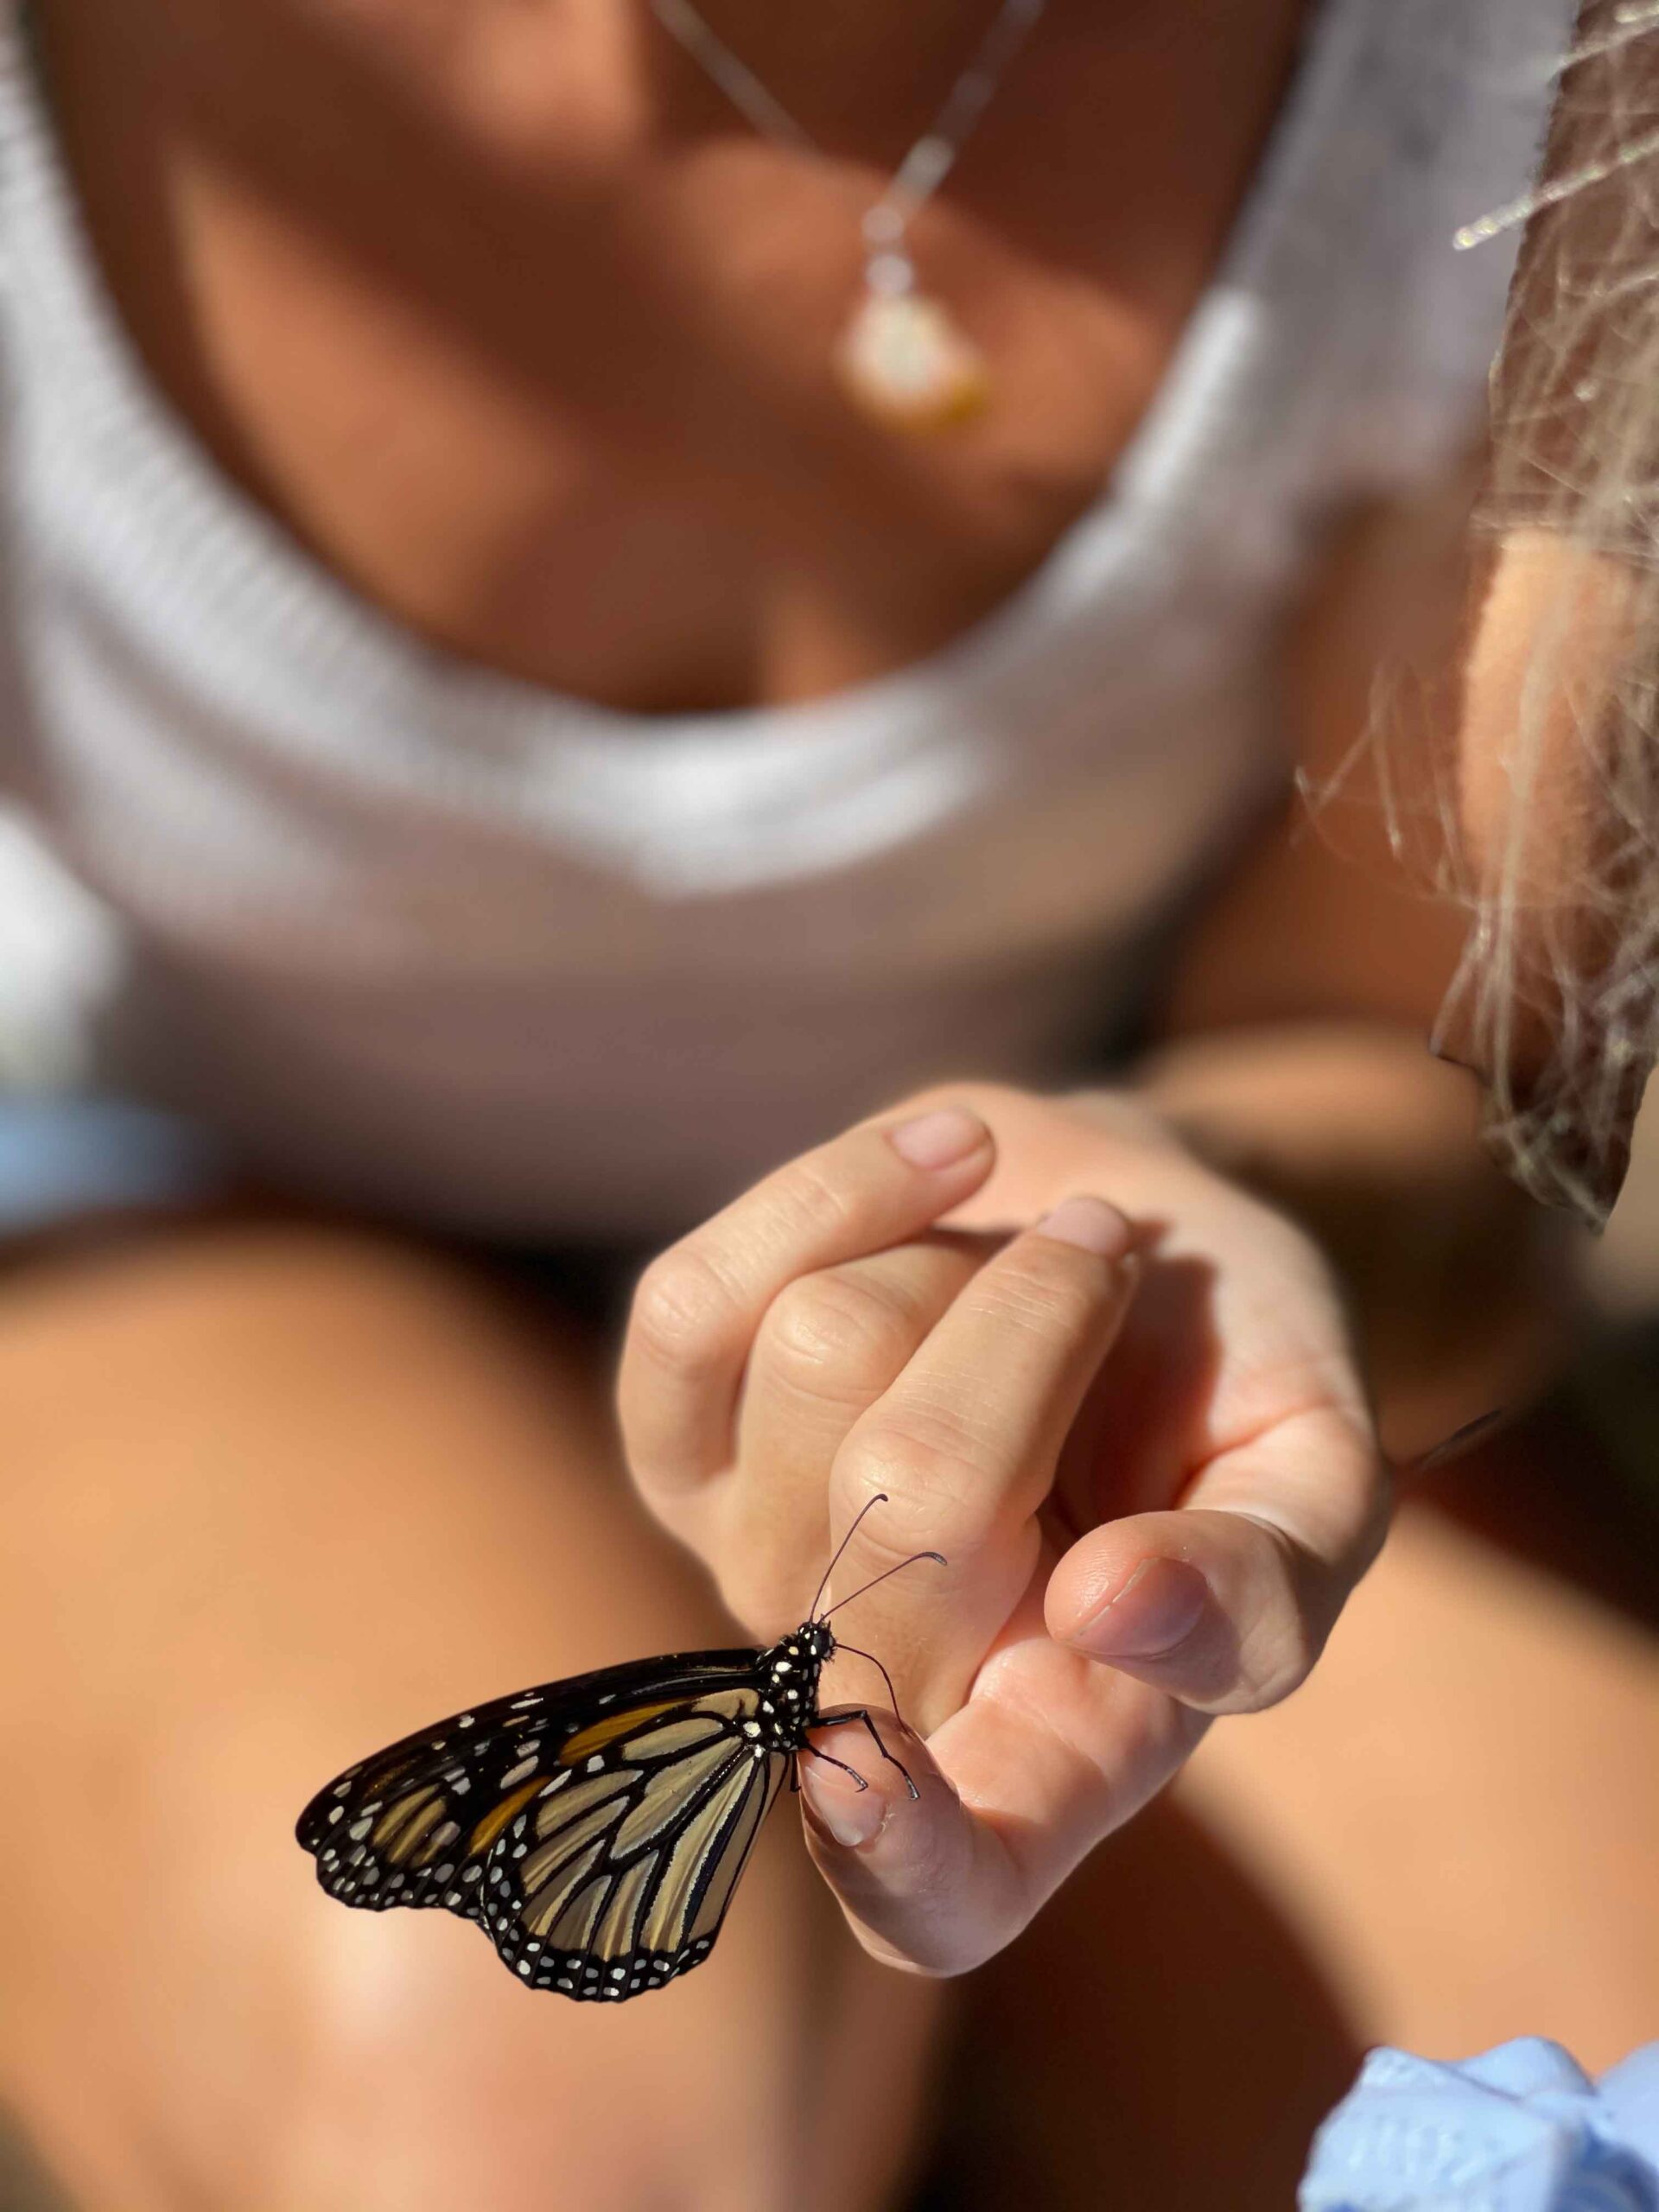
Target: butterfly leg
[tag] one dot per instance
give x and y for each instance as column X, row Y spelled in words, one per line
column 828, row 1761
column 845, row 1719
column 887, row 1679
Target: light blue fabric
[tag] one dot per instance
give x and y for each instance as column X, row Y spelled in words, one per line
column 63, row 1157
column 1521, row 2129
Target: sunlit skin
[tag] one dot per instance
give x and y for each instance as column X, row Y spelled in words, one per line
column 977, row 1392
column 527, row 311
column 283, row 1493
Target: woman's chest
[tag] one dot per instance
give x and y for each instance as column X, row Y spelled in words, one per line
column 550, row 378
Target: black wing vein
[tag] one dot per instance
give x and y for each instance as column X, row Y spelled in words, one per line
column 618, row 1880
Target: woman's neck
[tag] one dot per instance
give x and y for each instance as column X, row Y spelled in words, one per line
column 856, row 71
column 854, row 51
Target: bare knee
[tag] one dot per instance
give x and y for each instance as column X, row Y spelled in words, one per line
column 304, row 1447
column 431, row 2083
column 789, row 2070
column 247, row 1305
column 286, row 1495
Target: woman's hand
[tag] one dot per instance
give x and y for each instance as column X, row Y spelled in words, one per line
column 1115, row 1391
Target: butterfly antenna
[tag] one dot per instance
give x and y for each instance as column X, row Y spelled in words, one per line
column 903, row 1564
column 881, row 1498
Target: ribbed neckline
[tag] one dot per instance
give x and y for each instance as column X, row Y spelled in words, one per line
column 247, row 577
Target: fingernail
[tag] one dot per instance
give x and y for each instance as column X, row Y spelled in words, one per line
column 849, row 1817
column 939, row 1139
column 1157, row 1609
column 1090, row 1224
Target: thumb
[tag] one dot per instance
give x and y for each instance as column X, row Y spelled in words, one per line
column 1224, row 1610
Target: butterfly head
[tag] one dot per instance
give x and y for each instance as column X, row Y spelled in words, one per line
column 797, row 1659
column 817, row 1642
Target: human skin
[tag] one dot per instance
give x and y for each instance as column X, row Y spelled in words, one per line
column 282, row 1495
column 321, row 311
column 1140, row 1443
column 529, row 337
column 311, row 1454
column 273, row 1493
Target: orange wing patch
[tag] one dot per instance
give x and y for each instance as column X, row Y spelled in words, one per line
column 576, row 1748
column 496, row 1820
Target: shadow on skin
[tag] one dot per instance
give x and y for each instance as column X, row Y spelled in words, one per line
column 1157, row 2042
column 1569, row 1490
column 23, row 2183
column 368, row 125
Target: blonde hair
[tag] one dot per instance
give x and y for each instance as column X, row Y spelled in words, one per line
column 1556, row 1004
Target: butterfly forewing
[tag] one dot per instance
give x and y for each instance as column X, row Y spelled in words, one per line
column 416, row 1824
column 615, row 1876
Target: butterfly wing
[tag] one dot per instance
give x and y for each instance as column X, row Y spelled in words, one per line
column 616, row 1874
column 414, row 1824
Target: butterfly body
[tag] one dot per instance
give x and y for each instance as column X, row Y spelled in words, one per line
column 596, row 1828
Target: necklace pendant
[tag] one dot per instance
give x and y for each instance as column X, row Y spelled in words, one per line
column 905, row 361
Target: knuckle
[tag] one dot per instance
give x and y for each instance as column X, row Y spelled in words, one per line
column 894, row 1458
column 835, row 1334
column 685, row 1315
column 931, row 1469
column 1039, row 1287
column 811, row 1203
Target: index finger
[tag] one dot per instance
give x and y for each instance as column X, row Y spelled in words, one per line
column 697, row 1307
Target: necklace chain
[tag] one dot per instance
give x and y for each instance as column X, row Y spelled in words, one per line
column 929, row 161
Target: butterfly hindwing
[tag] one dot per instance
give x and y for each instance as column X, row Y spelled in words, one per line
column 414, row 1824
column 615, row 1876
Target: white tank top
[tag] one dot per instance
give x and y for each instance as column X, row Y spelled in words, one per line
column 490, row 956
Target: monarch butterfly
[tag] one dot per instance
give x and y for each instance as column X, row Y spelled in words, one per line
column 595, row 1828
